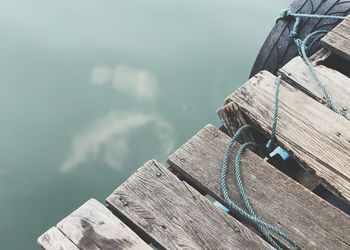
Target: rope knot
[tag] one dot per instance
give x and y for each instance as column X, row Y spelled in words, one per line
column 285, row 13
column 293, row 34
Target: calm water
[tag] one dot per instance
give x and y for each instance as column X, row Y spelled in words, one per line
column 90, row 90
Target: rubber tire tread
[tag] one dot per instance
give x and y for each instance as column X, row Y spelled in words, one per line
column 278, row 48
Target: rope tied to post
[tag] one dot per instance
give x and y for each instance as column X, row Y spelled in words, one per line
column 303, row 46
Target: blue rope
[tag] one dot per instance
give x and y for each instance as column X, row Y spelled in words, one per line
column 287, row 12
column 329, row 100
column 302, row 46
column 271, row 143
column 250, row 215
column 262, row 226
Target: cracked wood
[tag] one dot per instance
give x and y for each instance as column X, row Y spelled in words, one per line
column 54, row 239
column 318, row 138
column 176, row 216
column 338, row 39
column 277, row 199
column 93, row 227
column 297, row 73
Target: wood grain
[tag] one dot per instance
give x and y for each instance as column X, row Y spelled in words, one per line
column 338, row 39
column 318, row 138
column 297, row 73
column 275, row 197
column 233, row 119
column 176, row 216
column 320, row 56
column 54, row 239
column 93, row 226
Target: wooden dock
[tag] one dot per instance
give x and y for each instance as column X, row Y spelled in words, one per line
column 172, row 207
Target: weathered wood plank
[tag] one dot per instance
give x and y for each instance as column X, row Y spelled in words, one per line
column 320, row 56
column 54, row 239
column 232, row 118
column 93, row 226
column 297, row 73
column 176, row 216
column 318, row 137
column 232, row 123
column 235, row 122
column 338, row 39
column 276, row 198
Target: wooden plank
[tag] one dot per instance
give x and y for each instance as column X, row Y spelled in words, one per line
column 235, row 122
column 93, row 226
column 320, row 56
column 318, row 138
column 176, row 216
column 297, row 73
column 338, row 39
column 276, row 198
column 232, row 123
column 232, row 118
column 54, row 239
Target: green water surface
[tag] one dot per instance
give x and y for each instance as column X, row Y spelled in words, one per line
column 90, row 90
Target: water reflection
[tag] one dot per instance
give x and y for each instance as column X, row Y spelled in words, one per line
column 58, row 112
column 108, row 139
column 123, row 78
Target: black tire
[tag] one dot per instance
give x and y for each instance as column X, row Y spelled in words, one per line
column 278, row 49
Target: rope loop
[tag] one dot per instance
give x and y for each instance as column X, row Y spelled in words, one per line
column 303, row 46
column 250, row 215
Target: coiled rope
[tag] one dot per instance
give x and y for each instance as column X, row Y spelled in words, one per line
column 303, row 46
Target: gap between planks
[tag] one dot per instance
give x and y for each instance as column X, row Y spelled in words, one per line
column 92, row 226
column 318, row 138
column 297, row 74
column 177, row 216
column 338, row 39
column 276, row 198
